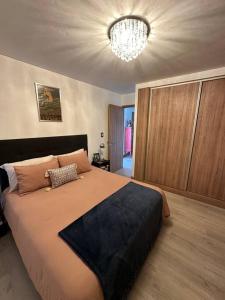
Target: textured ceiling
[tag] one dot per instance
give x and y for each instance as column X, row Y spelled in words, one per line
column 70, row 37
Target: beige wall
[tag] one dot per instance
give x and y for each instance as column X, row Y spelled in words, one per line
column 128, row 99
column 84, row 107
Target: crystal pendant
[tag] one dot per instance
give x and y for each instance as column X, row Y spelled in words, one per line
column 128, row 37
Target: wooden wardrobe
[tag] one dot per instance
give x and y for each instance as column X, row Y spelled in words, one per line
column 180, row 139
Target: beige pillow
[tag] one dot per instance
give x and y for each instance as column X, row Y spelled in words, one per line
column 63, row 175
column 80, row 159
column 32, row 178
column 9, row 167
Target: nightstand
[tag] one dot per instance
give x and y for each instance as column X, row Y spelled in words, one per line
column 4, row 227
column 102, row 164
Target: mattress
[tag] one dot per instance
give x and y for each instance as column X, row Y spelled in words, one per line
column 35, row 220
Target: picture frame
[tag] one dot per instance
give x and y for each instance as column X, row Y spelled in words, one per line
column 48, row 103
column 96, row 157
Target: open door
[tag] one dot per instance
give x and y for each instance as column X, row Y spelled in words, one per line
column 115, row 142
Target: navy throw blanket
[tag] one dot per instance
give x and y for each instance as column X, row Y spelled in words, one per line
column 114, row 237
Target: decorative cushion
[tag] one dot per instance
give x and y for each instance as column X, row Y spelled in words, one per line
column 80, row 159
column 9, row 168
column 63, row 175
column 31, row 178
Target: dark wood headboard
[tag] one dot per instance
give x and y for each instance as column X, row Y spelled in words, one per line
column 21, row 149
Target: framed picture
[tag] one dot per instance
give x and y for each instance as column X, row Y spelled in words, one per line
column 96, row 157
column 48, row 101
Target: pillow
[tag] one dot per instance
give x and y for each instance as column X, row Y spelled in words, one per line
column 80, row 159
column 32, row 178
column 74, row 152
column 63, row 175
column 9, row 168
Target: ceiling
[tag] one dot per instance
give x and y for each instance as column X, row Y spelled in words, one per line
column 70, row 37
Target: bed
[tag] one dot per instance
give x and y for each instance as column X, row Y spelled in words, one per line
column 36, row 218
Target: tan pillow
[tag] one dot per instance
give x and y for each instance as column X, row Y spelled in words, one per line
column 80, row 159
column 70, row 153
column 32, row 178
column 28, row 162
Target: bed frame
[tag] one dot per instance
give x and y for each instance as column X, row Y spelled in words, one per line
column 21, row 149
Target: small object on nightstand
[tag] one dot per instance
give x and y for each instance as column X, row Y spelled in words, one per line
column 3, row 224
column 102, row 164
column 96, row 157
column 101, row 152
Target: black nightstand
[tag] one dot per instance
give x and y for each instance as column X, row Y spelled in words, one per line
column 4, row 227
column 102, row 164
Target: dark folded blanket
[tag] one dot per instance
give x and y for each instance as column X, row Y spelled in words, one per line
column 114, row 237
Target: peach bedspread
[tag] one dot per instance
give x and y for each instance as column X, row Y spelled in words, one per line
column 36, row 219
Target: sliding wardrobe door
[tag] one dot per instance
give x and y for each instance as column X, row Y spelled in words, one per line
column 141, row 133
column 172, row 119
column 207, row 173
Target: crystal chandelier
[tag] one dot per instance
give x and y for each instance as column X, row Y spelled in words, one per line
column 128, row 36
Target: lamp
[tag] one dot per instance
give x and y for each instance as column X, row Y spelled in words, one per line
column 128, row 36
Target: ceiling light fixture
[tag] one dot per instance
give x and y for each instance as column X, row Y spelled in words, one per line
column 128, row 36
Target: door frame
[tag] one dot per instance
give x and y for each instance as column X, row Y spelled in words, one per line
column 123, row 108
column 109, row 133
column 127, row 106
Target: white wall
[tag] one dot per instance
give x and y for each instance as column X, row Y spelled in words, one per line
column 84, row 107
column 128, row 99
column 203, row 75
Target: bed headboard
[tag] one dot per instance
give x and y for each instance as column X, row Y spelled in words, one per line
column 21, row 149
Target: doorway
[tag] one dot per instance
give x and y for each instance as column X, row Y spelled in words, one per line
column 128, row 128
column 121, row 133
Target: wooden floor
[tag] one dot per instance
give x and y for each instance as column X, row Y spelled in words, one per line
column 187, row 261
column 124, row 172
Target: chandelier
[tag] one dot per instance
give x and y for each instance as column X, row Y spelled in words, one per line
column 128, row 36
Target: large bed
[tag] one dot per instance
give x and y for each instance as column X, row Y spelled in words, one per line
column 35, row 220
